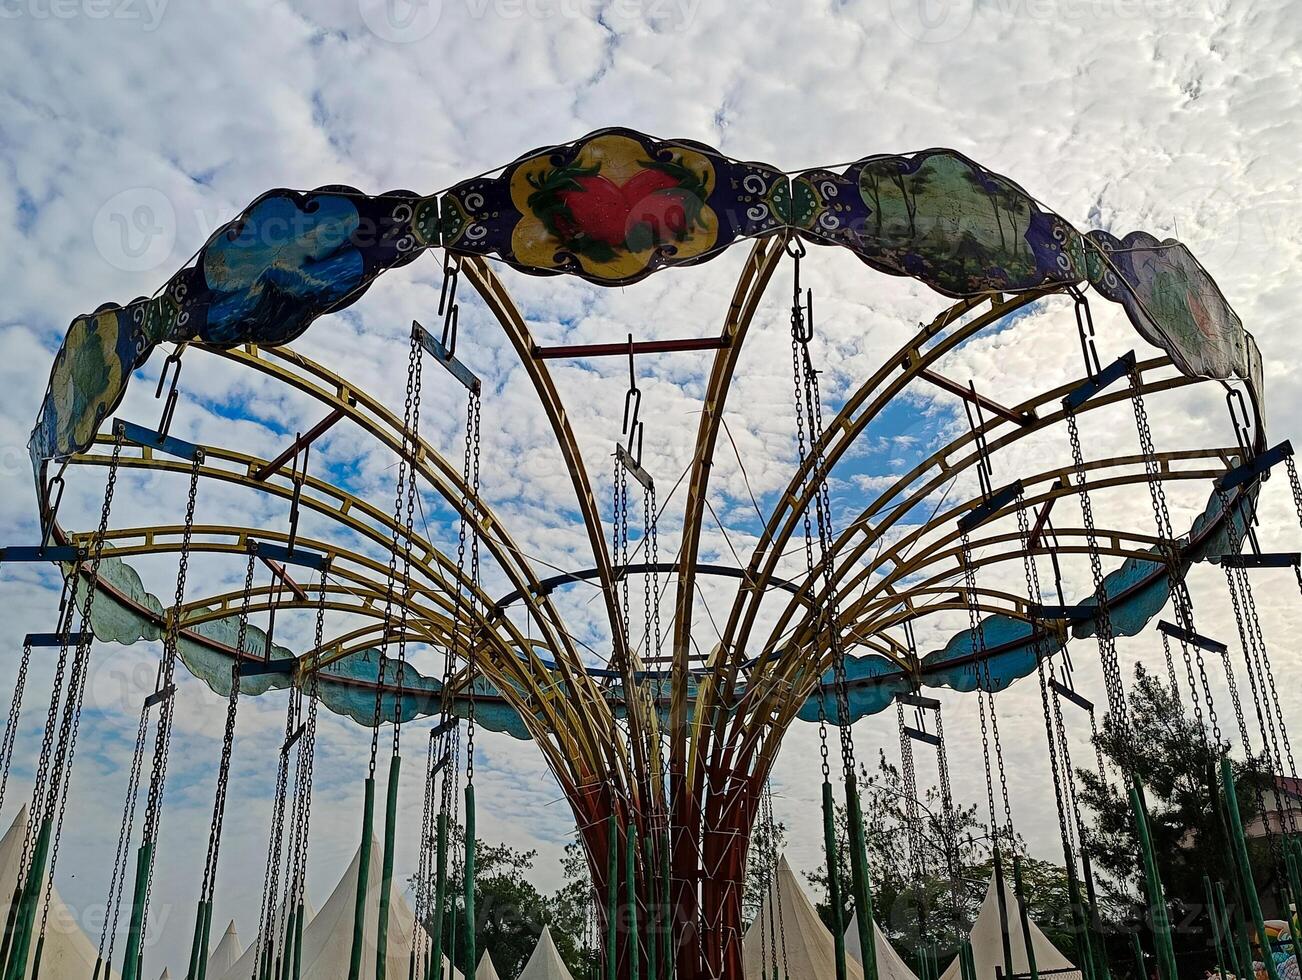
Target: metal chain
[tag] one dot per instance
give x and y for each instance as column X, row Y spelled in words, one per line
column 271, row 873
column 1049, row 730
column 40, row 779
column 1113, row 682
column 167, row 708
column 979, row 648
column 1278, row 730
column 413, row 426
column 11, row 725
column 1169, row 546
column 809, row 396
column 908, row 772
column 307, row 754
column 119, row 877
column 60, row 775
column 949, row 834
column 228, row 741
column 424, row 872
column 405, row 453
column 1260, row 677
column 472, row 659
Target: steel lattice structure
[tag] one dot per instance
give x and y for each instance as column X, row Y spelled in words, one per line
column 722, row 717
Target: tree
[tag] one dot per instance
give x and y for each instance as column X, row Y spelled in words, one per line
column 934, row 901
column 767, row 843
column 571, row 914
column 1178, row 767
column 509, row 911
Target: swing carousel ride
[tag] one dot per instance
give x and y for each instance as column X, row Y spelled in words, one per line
column 662, row 745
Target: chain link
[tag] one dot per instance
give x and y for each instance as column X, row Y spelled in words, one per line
column 809, row 402
column 228, row 740
column 60, row 774
column 1103, row 623
column 11, row 725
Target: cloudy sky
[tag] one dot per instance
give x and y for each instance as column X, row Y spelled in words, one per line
column 130, row 129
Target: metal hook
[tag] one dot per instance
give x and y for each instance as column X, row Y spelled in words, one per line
column 1085, row 330
column 173, row 362
column 1239, row 422
column 52, row 508
column 449, row 309
column 297, row 478
column 632, row 426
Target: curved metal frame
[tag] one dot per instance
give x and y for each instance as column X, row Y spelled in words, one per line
column 726, row 721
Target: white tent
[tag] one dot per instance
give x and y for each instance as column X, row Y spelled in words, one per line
column 328, row 935
column 890, row 966
column 68, row 954
column 546, row 962
column 165, row 975
column 240, row 965
column 221, row 959
column 988, row 943
column 810, row 949
column 485, row 970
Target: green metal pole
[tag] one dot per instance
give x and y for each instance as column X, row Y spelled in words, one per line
column 472, row 957
column 653, row 906
column 967, row 965
column 193, row 972
column 1214, row 919
column 440, row 894
column 1295, row 890
column 17, row 965
column 1156, row 899
column 1240, row 848
column 268, row 957
column 144, row 862
column 630, row 896
column 207, row 936
column 363, row 882
column 612, row 896
column 298, row 944
column 1236, row 935
column 668, row 930
column 386, row 879
column 36, row 960
column 863, row 894
column 1026, row 919
column 1139, row 956
column 833, row 880
column 1079, row 914
column 1002, row 900
column 287, row 944
column 1102, row 969
column 11, row 921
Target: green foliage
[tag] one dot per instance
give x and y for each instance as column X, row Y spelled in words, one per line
column 1179, row 766
column 914, row 905
column 571, row 910
column 511, row 912
column 767, row 843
